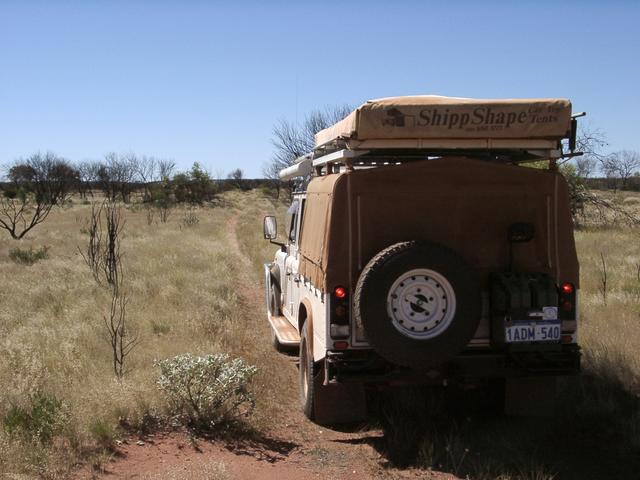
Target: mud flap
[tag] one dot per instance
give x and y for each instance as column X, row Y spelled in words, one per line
column 531, row 396
column 338, row 403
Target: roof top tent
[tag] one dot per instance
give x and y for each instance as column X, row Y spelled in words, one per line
column 400, row 129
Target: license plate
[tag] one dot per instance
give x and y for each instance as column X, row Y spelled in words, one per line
column 533, row 331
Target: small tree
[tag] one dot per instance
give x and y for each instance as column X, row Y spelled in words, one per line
column 102, row 254
column 166, row 168
column 121, row 339
column 590, row 141
column 585, row 166
column 291, row 141
column 37, row 184
column 236, row 176
column 146, row 169
column 87, row 171
column 194, row 186
column 622, row 165
column 162, row 200
column 116, row 175
column 103, row 257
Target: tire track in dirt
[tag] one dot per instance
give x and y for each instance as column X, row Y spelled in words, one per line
column 320, row 452
column 295, row 449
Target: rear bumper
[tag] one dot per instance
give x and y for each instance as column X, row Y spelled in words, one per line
column 368, row 367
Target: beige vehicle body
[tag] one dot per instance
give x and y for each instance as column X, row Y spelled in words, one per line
column 422, row 251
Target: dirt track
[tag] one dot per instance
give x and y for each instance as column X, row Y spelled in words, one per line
column 298, row 449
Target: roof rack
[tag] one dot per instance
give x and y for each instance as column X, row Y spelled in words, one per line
column 405, row 129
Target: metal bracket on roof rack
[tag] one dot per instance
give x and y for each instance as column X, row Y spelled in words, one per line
column 341, row 156
column 574, row 130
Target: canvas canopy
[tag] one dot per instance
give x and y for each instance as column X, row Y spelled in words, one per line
column 462, row 203
column 430, row 120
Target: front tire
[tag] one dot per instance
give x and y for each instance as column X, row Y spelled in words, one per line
column 274, row 299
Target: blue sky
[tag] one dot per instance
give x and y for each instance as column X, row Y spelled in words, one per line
column 206, row 81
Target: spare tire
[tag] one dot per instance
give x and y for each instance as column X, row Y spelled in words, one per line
column 418, row 303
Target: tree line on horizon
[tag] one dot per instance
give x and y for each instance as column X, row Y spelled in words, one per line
column 33, row 186
column 36, row 184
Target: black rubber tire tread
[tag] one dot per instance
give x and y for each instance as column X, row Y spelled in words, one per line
column 370, row 309
column 306, row 356
column 274, row 299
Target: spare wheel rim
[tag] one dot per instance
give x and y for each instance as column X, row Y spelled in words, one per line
column 421, row 304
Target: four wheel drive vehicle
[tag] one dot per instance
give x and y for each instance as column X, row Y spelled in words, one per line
column 423, row 251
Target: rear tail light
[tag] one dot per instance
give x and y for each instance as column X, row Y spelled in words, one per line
column 567, row 301
column 567, row 288
column 339, row 314
column 340, row 292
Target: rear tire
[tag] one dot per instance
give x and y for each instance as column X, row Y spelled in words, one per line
column 308, row 373
column 327, row 404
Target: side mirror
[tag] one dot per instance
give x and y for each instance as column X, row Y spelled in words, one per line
column 270, row 227
column 521, row 232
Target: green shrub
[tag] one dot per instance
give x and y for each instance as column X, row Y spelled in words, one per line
column 194, row 186
column 207, row 391
column 41, row 419
column 28, row 257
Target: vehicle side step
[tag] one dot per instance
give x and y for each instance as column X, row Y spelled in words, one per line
column 285, row 332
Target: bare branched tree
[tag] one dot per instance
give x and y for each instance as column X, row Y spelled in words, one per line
column 88, row 172
column 165, row 168
column 36, row 185
column 116, row 175
column 590, row 141
column 103, row 257
column 236, row 176
column 585, row 166
column 112, row 264
column 146, row 169
column 609, row 211
column 92, row 254
column 121, row 339
column 291, row 141
column 621, row 165
column 102, row 253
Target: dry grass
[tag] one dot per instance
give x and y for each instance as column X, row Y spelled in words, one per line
column 185, row 287
column 193, row 287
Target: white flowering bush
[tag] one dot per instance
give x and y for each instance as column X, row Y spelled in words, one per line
column 207, row 391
